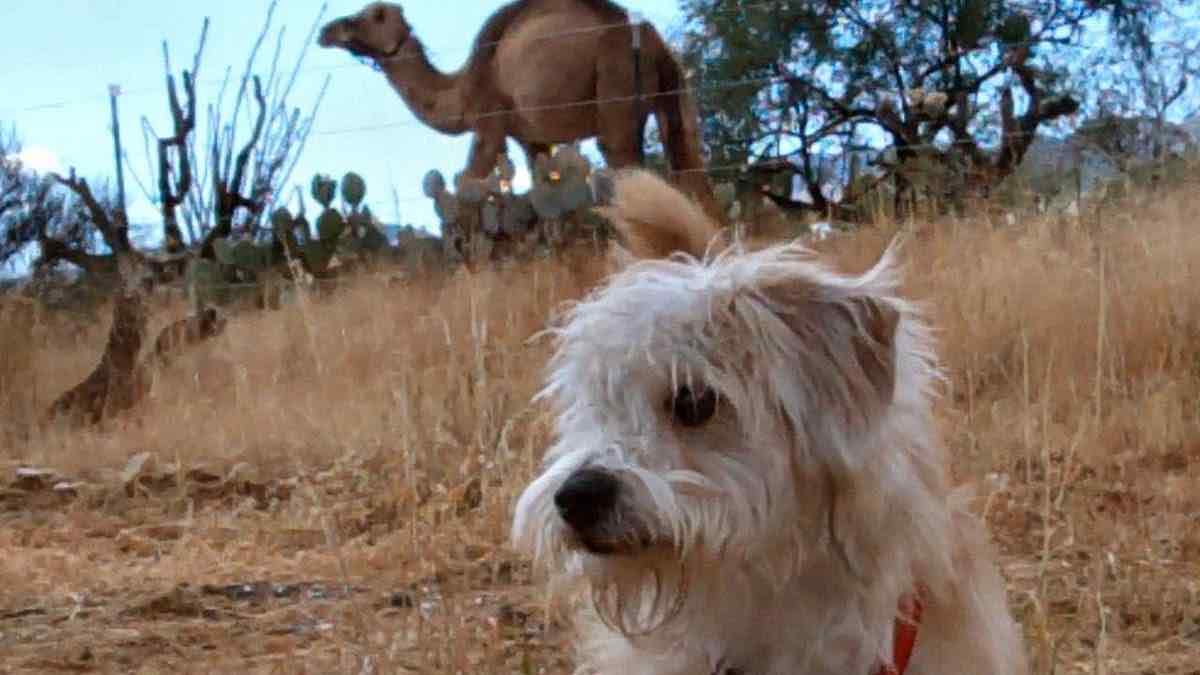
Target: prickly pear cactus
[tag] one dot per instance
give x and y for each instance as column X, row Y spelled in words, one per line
column 365, row 236
column 204, row 279
column 560, row 184
column 470, row 191
column 283, row 226
column 223, row 249
column 556, row 210
column 330, row 225
column 517, row 215
column 489, row 216
column 323, row 189
column 242, row 254
column 446, row 207
column 317, row 255
column 603, row 187
column 433, row 184
column 354, row 189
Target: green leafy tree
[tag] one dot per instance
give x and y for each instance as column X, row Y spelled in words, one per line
column 1119, row 93
column 959, row 87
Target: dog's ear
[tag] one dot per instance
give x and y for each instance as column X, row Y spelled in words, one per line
column 853, row 332
column 874, row 341
column 654, row 220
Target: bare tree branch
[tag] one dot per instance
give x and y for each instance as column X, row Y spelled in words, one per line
column 109, row 222
column 229, row 196
column 54, row 250
column 1018, row 135
column 183, row 118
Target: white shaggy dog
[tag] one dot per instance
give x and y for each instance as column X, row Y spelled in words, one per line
column 746, row 477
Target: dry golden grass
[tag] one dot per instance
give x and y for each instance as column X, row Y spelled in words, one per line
column 372, row 442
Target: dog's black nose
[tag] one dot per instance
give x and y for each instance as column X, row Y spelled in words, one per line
column 586, row 498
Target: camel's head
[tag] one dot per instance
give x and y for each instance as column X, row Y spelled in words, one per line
column 378, row 31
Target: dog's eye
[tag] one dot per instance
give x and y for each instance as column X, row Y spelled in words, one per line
column 691, row 409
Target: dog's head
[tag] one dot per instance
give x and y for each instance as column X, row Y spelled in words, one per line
column 719, row 406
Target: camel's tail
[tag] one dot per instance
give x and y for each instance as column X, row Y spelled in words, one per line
column 679, row 126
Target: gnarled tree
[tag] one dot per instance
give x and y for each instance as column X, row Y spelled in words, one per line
column 211, row 186
column 218, row 182
column 35, row 210
column 961, row 85
column 1129, row 99
column 206, row 185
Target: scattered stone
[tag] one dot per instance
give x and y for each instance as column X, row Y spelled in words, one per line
column 179, row 601
column 402, row 600
column 135, row 467
column 34, row 478
column 263, row 590
column 21, row 613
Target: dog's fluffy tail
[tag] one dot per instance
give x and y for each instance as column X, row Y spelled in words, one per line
column 655, row 220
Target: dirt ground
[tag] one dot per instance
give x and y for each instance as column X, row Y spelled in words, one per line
column 328, row 488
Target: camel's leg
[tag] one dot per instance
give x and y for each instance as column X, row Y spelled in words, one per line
column 620, row 134
column 619, row 140
column 485, row 151
column 620, row 137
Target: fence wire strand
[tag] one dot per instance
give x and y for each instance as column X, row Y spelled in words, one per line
column 427, row 51
column 645, row 97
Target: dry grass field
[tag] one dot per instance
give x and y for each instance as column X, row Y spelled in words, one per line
column 328, row 488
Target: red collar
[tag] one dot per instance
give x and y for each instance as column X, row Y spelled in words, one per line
column 905, row 638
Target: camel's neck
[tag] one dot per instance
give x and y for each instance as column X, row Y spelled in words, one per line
column 432, row 95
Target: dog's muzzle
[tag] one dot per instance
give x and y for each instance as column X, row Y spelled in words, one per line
column 586, row 501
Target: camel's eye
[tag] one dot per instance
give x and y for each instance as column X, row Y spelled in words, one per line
column 691, row 409
column 379, row 15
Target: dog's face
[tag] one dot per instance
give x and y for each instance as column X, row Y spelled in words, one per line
column 710, row 410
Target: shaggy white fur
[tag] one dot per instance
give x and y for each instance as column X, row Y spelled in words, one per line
column 746, row 477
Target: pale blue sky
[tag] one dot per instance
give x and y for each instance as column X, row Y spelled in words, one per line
column 59, row 56
column 66, row 52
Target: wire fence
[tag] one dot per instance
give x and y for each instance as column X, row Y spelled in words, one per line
column 646, row 98
column 444, row 50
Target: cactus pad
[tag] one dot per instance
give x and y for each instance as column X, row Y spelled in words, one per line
column 446, row 206
column 433, row 184
column 354, row 189
column 470, row 190
column 490, row 216
column 323, row 189
column 330, row 225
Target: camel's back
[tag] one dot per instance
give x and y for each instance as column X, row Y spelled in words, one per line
column 536, row 53
column 556, row 61
column 517, row 23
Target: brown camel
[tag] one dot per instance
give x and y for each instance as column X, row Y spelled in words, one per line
column 541, row 72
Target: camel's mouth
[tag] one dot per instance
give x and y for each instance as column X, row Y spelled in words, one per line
column 338, row 39
column 341, row 34
column 334, row 34
column 357, row 48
